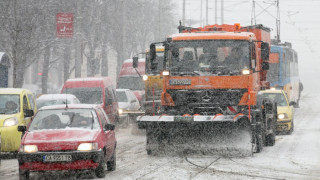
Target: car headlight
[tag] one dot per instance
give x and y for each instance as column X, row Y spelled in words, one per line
column 88, row 146
column 245, row 71
column 145, row 77
column 10, row 122
column 120, row 111
column 29, row 148
column 282, row 116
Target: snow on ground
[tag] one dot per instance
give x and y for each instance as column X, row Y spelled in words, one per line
column 294, row 156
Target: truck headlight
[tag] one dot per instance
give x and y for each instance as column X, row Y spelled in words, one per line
column 282, row 116
column 165, row 73
column 145, row 77
column 245, row 71
column 29, row 148
column 88, row 146
column 10, row 122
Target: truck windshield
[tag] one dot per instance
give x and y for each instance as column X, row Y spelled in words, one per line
column 89, row 95
column 9, row 103
column 218, row 57
column 131, row 82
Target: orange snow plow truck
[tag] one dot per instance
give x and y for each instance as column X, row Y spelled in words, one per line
column 210, row 99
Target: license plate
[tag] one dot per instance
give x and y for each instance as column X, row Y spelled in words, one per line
column 56, row 158
column 180, row 82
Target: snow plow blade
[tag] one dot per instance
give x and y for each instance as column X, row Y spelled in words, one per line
column 226, row 135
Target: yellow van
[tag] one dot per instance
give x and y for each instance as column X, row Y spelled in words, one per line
column 284, row 108
column 17, row 106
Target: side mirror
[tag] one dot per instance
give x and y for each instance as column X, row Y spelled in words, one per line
column 28, row 113
column 22, row 128
column 109, row 127
column 292, row 103
column 265, row 65
column 152, row 53
column 265, row 51
column 135, row 62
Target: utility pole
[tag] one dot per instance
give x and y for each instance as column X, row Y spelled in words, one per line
column 77, row 59
column 201, row 14
column 222, row 12
column 278, row 22
column 253, row 13
column 183, row 12
column 216, row 11
column 206, row 12
column 159, row 20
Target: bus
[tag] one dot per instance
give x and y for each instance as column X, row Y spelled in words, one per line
column 284, row 71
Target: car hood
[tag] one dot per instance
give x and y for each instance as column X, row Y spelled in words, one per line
column 285, row 109
column 123, row 105
column 65, row 139
column 6, row 116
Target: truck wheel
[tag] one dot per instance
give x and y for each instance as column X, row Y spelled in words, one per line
column 111, row 165
column 270, row 139
column 100, row 170
column 259, row 143
column 24, row 175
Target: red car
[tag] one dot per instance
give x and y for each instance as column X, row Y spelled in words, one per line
column 68, row 137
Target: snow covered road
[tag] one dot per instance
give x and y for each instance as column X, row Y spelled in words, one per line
column 295, row 156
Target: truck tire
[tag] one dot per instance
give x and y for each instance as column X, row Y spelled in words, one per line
column 270, row 139
column 24, row 175
column 259, row 143
column 292, row 128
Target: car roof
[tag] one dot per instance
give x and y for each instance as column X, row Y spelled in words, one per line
column 123, row 90
column 14, row 91
column 56, row 96
column 272, row 91
column 71, row 106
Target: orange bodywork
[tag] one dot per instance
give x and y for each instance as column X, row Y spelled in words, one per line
column 251, row 83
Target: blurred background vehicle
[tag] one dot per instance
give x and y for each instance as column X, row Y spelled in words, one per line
column 54, row 99
column 128, row 105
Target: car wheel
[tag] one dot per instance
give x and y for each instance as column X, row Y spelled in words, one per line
column 111, row 165
column 24, row 175
column 292, row 128
column 100, row 170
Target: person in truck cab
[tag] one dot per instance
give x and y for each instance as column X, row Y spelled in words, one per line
column 235, row 61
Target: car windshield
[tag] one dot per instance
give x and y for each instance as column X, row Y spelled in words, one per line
column 88, row 95
column 129, row 82
column 279, row 98
column 9, row 103
column 64, row 119
column 121, row 96
column 41, row 103
column 218, row 57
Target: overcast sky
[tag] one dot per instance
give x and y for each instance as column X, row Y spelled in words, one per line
column 299, row 24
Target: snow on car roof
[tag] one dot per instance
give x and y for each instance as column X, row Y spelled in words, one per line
column 13, row 90
column 71, row 106
column 122, row 89
column 130, row 60
column 88, row 79
column 56, row 96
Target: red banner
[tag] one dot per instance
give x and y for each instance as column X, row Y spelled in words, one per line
column 64, row 25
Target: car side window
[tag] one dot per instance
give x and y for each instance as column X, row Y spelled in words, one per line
column 25, row 102
column 31, row 100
